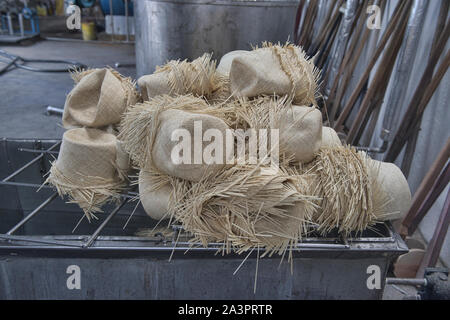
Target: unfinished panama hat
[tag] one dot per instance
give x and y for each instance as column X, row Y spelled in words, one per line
column 339, row 177
column 86, row 169
column 275, row 69
column 181, row 77
column 301, row 132
column 164, row 132
column 330, row 138
column 394, row 198
column 242, row 209
column 193, row 166
column 299, row 127
column 155, row 194
column 225, row 62
column 222, row 92
column 355, row 191
column 99, row 98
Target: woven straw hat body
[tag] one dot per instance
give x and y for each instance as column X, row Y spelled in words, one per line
column 330, row 138
column 154, row 85
column 86, row 169
column 394, row 199
column 301, row 132
column 154, row 198
column 87, row 152
column 225, row 62
column 99, row 99
column 275, row 69
column 181, row 77
column 172, row 120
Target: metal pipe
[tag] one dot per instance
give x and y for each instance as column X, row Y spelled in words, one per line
column 24, row 184
column 54, row 110
column 15, row 173
column 37, row 151
column 18, row 238
column 381, row 149
column 33, row 213
column 81, row 40
column 403, row 69
column 10, row 27
column 128, row 195
column 407, row 281
column 126, row 21
column 343, row 36
column 94, row 236
column 112, row 20
column 22, row 32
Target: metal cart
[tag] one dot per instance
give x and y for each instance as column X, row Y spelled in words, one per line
column 47, row 251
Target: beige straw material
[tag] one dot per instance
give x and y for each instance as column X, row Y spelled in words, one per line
column 275, row 69
column 394, row 198
column 340, row 176
column 172, row 120
column 123, row 160
column 222, row 92
column 181, row 77
column 99, row 98
column 86, row 169
column 155, row 194
column 300, row 127
column 330, row 138
column 244, row 209
column 142, row 123
column 224, row 65
column 301, row 132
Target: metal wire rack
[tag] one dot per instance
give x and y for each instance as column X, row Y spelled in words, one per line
column 25, row 161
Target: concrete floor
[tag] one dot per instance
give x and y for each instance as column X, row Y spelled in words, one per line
column 25, row 95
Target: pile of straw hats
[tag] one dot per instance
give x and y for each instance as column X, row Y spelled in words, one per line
column 318, row 184
column 91, row 168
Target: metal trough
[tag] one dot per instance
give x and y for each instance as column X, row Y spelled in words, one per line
column 48, row 252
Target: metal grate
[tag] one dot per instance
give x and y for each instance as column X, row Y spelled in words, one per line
column 381, row 238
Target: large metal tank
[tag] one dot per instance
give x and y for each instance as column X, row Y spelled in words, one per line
column 179, row 29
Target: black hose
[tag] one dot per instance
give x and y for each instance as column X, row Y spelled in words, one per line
column 21, row 62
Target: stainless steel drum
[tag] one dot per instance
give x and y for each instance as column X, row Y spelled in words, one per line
column 179, row 29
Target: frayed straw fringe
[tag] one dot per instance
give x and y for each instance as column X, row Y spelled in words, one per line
column 140, row 124
column 91, row 196
column 266, row 112
column 241, row 209
column 221, row 94
column 339, row 176
column 197, row 77
column 300, row 69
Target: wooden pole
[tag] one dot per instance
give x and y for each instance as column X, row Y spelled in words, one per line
column 425, row 187
column 415, row 110
column 376, row 91
column 350, row 52
column 438, row 187
column 412, row 141
column 435, row 245
column 355, row 94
